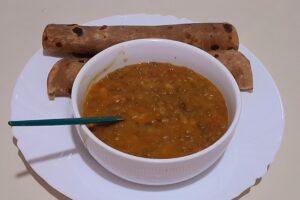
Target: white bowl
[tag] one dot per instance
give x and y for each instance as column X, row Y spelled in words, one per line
column 145, row 170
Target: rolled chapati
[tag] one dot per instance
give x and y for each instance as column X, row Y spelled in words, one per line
column 238, row 65
column 62, row 75
column 61, row 38
column 64, row 72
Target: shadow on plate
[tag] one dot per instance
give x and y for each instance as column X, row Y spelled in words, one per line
column 98, row 169
column 30, row 171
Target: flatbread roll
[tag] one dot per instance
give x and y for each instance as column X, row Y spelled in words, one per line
column 62, row 75
column 238, row 65
column 64, row 72
column 61, row 38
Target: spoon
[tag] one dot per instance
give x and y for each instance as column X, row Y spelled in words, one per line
column 66, row 121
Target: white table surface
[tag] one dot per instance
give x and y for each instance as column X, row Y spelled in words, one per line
column 270, row 29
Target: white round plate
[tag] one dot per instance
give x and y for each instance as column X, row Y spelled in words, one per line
column 57, row 155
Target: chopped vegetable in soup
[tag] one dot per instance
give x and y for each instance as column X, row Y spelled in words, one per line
column 169, row 111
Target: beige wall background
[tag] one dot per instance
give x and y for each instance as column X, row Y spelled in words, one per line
column 270, row 29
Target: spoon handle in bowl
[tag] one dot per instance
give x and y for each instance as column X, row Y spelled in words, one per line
column 66, row 121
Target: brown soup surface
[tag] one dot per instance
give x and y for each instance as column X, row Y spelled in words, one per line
column 169, row 111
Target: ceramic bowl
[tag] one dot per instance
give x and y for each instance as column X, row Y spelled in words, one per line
column 145, row 170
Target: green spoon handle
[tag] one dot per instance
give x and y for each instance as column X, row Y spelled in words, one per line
column 66, row 121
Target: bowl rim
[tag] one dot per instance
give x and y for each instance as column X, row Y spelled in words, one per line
column 225, row 71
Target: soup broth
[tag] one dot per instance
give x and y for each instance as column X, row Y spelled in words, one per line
column 169, row 111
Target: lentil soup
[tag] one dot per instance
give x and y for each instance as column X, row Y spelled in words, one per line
column 170, row 111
